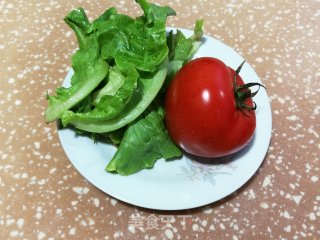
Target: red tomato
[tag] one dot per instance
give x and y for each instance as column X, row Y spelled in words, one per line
column 201, row 113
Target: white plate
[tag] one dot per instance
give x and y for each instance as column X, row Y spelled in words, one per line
column 184, row 183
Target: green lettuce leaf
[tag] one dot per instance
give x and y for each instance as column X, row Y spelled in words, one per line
column 181, row 50
column 140, row 41
column 121, row 72
column 110, row 101
column 89, row 68
column 145, row 141
column 100, row 21
column 146, row 91
column 124, row 42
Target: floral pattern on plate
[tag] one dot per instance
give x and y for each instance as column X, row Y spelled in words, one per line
column 198, row 169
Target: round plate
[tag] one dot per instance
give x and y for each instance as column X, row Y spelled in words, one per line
column 184, row 183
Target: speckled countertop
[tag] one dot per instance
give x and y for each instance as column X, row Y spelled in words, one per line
column 39, row 187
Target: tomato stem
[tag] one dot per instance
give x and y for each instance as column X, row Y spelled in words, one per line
column 243, row 92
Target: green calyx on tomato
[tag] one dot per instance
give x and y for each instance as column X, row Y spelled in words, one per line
column 243, row 92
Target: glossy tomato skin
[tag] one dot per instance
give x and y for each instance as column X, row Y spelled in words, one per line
column 201, row 114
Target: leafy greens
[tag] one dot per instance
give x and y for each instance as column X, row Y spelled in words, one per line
column 121, row 71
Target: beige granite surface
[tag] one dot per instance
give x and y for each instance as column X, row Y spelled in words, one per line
column 42, row 196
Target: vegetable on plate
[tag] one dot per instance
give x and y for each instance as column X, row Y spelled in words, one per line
column 209, row 109
column 133, row 84
column 120, row 74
